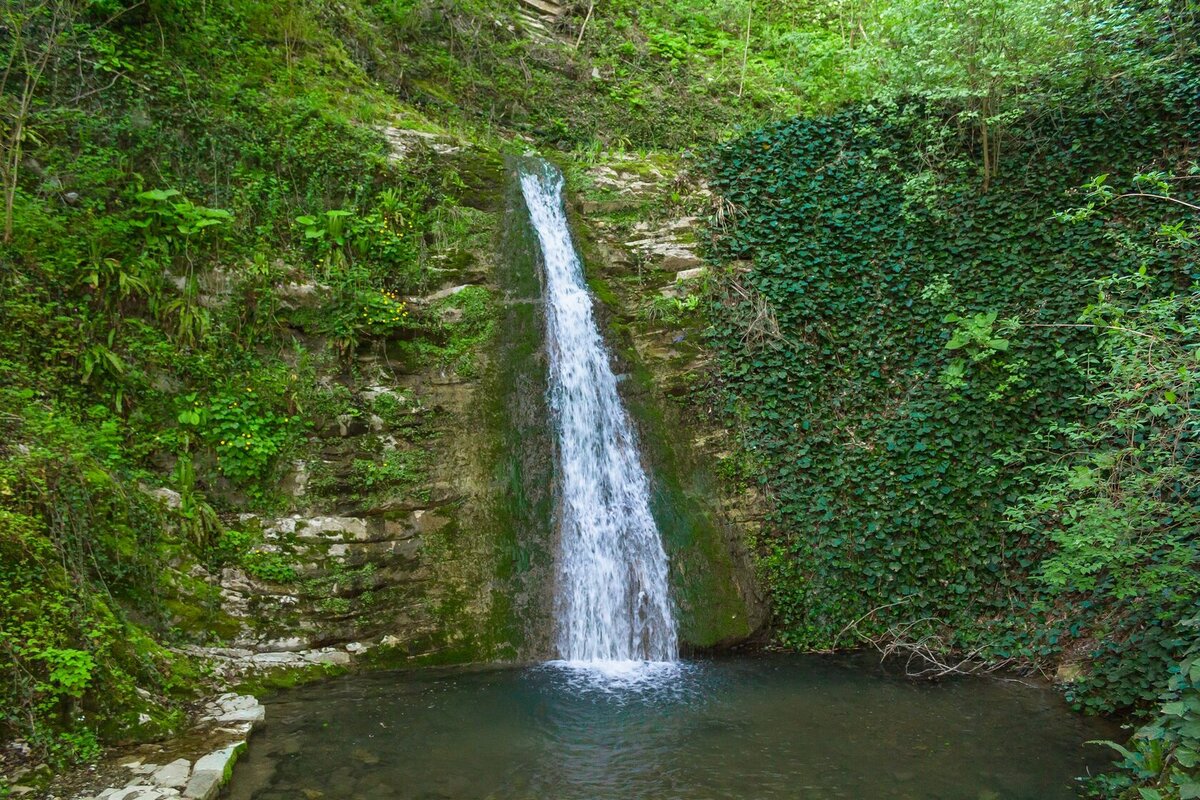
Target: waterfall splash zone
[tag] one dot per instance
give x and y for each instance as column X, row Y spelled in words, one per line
column 613, row 605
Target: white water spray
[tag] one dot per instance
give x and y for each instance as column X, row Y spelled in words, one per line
column 614, row 609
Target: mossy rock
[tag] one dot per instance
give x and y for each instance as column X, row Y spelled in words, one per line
column 141, row 720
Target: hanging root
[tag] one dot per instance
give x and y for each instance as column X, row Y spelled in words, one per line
column 754, row 313
column 929, row 657
column 724, row 213
column 926, row 656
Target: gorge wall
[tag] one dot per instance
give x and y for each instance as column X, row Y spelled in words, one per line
column 454, row 562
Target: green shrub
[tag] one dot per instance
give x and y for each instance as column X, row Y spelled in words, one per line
column 246, row 433
column 1162, row 760
column 238, row 548
column 274, row 567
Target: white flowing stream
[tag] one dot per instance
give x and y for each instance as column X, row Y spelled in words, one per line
column 613, row 606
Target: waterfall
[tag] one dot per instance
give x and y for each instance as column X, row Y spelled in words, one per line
column 612, row 597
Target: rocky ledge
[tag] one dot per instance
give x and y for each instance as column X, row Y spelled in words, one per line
column 194, row 766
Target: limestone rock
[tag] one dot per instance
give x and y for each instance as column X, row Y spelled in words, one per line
column 295, row 482
column 288, row 644
column 169, row 497
column 253, row 715
column 301, row 295
column 219, row 760
column 442, row 294
column 402, row 141
column 329, row 656
column 317, row 528
column 173, row 775
column 351, row 425
column 138, row 792
column 204, row 785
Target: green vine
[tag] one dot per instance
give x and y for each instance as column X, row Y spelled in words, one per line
column 882, row 366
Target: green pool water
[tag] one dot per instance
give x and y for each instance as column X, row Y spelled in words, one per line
column 754, row 727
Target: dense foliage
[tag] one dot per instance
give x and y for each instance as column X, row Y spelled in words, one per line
column 909, row 349
column 959, row 356
column 1161, row 759
column 168, row 167
column 966, row 380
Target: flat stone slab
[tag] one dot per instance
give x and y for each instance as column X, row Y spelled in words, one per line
column 338, row 657
column 138, row 792
column 275, row 659
column 210, row 772
column 217, row 761
column 173, row 775
column 253, row 715
column 203, row 786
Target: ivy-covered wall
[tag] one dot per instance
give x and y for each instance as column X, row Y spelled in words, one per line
column 890, row 331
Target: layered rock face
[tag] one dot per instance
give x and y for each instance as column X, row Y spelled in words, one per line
column 421, row 517
column 396, row 521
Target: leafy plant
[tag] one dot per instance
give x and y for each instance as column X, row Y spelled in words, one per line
column 246, row 433
column 266, row 566
column 670, row 310
column 397, row 472
column 364, row 313
column 239, row 548
column 1119, row 503
column 170, row 224
column 1163, row 757
column 328, row 233
column 70, row 670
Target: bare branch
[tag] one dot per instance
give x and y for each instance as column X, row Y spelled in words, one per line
column 1153, row 196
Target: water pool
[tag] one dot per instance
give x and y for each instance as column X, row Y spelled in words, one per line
column 753, row 727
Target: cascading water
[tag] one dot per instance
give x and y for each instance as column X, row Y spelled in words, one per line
column 613, row 605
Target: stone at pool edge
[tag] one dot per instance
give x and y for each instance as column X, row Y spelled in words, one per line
column 139, row 791
column 211, row 771
column 253, row 715
column 180, row 778
column 173, row 775
column 203, row 786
